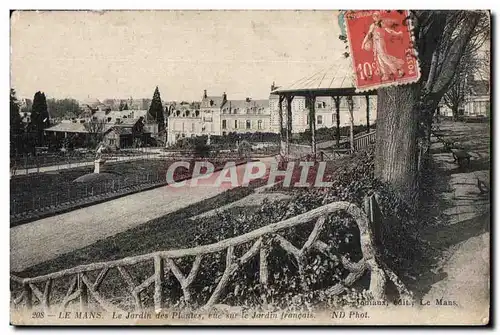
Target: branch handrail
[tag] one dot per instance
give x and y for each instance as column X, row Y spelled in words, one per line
column 209, row 248
column 164, row 261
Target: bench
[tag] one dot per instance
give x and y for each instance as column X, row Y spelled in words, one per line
column 461, row 157
column 483, row 186
column 448, row 144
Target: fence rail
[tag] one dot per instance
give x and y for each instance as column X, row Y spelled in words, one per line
column 363, row 141
column 79, row 286
column 23, row 165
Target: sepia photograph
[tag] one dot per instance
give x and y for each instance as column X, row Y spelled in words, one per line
column 250, row 167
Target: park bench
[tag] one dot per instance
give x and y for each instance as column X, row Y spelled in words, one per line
column 461, row 157
column 484, row 187
column 448, row 144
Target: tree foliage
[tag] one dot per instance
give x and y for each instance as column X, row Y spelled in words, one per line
column 155, row 111
column 39, row 116
column 473, row 66
column 95, row 129
column 16, row 124
column 63, row 108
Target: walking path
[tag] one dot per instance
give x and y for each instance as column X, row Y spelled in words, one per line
column 465, row 261
column 48, row 238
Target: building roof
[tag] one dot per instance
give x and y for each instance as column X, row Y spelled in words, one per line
column 217, row 101
column 68, row 127
column 333, row 79
column 245, row 106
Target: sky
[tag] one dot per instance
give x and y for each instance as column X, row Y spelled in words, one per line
column 122, row 54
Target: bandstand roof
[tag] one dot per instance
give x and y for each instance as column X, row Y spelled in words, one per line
column 333, row 80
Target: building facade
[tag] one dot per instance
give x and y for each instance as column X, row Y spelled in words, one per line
column 218, row 115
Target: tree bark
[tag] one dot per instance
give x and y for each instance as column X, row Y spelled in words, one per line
column 396, row 153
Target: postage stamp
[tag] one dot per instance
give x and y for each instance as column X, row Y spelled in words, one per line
column 169, row 170
column 381, row 48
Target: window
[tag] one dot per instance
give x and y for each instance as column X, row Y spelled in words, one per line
column 224, row 124
column 307, row 119
column 235, row 124
column 320, row 119
column 259, row 124
column 248, row 124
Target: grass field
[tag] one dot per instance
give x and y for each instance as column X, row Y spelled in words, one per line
column 43, row 191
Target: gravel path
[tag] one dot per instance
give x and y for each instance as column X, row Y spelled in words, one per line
column 466, row 262
column 48, row 238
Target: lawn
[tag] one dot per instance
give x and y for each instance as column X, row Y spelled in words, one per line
column 45, row 191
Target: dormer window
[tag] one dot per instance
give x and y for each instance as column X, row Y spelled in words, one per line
column 211, row 103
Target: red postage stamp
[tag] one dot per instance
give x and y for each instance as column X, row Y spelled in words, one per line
column 381, row 48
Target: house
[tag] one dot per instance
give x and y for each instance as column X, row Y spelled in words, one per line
column 121, row 133
column 126, row 135
column 477, row 101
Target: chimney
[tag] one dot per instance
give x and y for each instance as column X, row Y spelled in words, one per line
column 247, row 99
column 224, row 97
column 204, row 94
column 273, row 86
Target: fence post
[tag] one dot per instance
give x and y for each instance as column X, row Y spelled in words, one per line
column 158, row 262
column 84, row 297
column 28, row 296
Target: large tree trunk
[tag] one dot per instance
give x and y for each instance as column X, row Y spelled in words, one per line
column 396, row 154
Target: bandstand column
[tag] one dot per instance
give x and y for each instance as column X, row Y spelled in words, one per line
column 367, row 97
column 312, row 122
column 336, row 99
column 280, row 112
column 289, row 100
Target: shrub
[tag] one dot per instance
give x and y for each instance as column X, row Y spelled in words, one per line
column 244, row 149
column 301, row 289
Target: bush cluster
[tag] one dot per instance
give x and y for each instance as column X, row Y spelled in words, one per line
column 291, row 286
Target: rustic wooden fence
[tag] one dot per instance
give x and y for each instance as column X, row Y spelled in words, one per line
column 365, row 140
column 81, row 287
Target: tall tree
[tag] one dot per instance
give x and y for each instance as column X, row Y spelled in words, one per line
column 39, row 116
column 16, row 124
column 473, row 65
column 95, row 129
column 404, row 113
column 155, row 111
column 63, row 108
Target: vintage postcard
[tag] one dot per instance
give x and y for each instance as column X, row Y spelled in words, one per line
column 250, row 167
